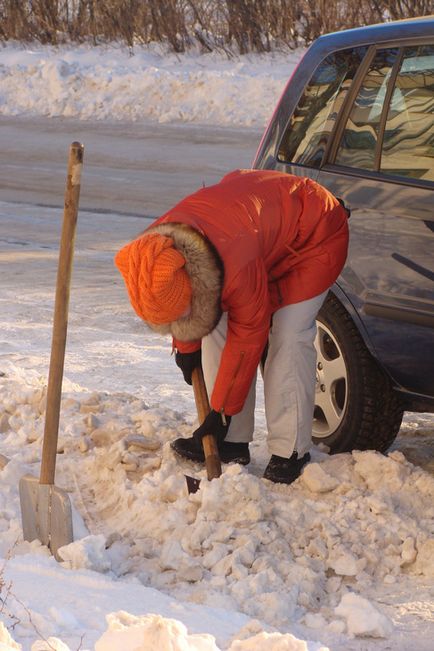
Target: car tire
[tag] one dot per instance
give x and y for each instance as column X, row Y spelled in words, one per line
column 355, row 405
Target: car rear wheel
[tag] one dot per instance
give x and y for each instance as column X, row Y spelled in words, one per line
column 355, row 405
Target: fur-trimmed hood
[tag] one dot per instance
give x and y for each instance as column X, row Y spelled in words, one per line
column 205, row 271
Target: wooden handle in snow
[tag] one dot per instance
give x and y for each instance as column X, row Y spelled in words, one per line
column 60, row 321
column 212, row 459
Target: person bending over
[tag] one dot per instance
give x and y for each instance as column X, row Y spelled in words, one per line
column 237, row 273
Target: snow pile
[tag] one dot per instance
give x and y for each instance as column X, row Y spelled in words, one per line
column 154, row 632
column 108, row 83
column 302, row 554
column 127, row 632
column 132, row 633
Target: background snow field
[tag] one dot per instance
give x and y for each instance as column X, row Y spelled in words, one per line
column 343, row 559
column 108, row 83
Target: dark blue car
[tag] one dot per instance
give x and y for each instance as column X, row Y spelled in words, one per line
column 358, row 117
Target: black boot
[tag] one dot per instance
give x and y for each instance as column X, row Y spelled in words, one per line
column 228, row 452
column 285, row 471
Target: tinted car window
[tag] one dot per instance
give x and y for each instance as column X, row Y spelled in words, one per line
column 311, row 123
column 359, row 140
column 408, row 146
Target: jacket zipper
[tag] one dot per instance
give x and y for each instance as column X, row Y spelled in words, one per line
column 234, row 377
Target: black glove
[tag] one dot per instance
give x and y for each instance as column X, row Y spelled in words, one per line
column 187, row 362
column 215, row 423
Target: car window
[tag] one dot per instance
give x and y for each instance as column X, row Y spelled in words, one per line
column 307, row 133
column 408, row 145
column 359, row 140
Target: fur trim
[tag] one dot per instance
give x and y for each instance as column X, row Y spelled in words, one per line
column 205, row 270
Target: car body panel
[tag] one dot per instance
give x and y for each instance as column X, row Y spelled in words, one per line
column 389, row 275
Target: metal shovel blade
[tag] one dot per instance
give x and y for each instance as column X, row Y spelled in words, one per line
column 193, row 484
column 212, row 462
column 46, row 514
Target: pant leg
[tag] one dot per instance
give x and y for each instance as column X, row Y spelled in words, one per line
column 242, row 424
column 290, row 377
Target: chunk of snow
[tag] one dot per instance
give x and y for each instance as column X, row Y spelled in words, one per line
column 380, row 471
column 408, row 551
column 362, row 618
column 131, row 633
column 344, row 563
column 88, row 553
column 425, row 558
column 317, row 480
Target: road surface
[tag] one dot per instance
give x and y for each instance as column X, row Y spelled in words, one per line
column 131, row 168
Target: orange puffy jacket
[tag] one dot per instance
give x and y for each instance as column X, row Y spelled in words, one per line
column 282, row 239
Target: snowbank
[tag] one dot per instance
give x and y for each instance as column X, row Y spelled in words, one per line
column 110, row 83
column 301, row 556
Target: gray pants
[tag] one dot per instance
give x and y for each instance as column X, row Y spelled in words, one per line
column 289, row 379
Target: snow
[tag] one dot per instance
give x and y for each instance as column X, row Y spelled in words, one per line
column 317, row 480
column 362, row 617
column 111, row 83
column 343, row 559
column 150, row 632
column 88, row 552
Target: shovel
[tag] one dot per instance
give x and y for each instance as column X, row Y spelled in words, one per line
column 45, row 508
column 212, row 459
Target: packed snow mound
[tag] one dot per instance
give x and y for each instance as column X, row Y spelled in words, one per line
column 109, row 83
column 303, row 553
column 131, row 633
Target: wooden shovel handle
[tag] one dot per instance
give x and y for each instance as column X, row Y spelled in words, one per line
column 212, row 459
column 60, row 321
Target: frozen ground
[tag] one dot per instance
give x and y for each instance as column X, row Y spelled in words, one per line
column 343, row 558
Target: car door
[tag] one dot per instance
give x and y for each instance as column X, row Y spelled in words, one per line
column 380, row 160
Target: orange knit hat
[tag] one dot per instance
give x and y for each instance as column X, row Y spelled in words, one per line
column 154, row 272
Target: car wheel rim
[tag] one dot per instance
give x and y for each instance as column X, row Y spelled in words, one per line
column 331, row 384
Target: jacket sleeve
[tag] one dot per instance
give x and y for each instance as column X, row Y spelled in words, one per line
column 248, row 306
column 186, row 346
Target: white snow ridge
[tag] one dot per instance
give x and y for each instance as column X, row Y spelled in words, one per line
column 108, row 83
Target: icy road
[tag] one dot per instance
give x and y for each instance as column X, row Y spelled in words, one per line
column 133, row 167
